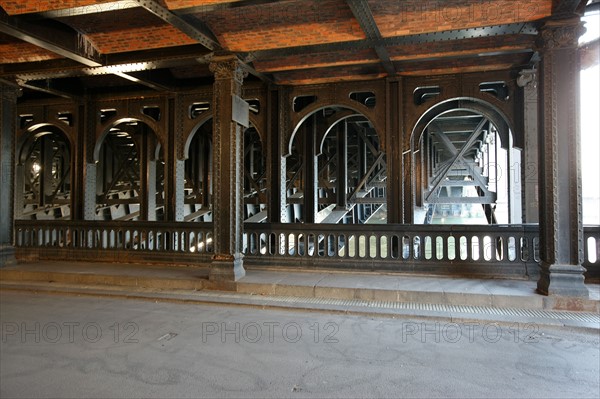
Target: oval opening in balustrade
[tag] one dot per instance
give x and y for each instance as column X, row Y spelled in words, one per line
column 372, row 250
column 311, row 244
column 512, row 249
column 451, row 248
column 292, row 244
column 301, row 244
column 342, row 245
column 383, row 247
column 151, row 246
column 273, row 244
column 439, row 248
column 184, row 241
column 260, row 243
column 536, row 249
column 464, row 248
column 405, row 247
column 331, row 246
column 135, row 240
column 209, row 242
column 362, row 246
column 489, row 248
column 475, row 248
column 417, row 247
column 321, row 245
column 427, row 248
column 46, row 237
column 592, row 249
column 525, row 249
column 395, row 249
column 500, row 247
column 352, row 246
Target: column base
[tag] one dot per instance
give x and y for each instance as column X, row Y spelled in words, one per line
column 225, row 268
column 562, row 280
column 7, row 255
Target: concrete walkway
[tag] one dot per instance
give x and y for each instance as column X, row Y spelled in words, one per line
column 390, row 295
column 102, row 347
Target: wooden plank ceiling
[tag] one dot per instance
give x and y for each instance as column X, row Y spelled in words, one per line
column 72, row 47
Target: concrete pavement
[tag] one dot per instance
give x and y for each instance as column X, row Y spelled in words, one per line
column 55, row 346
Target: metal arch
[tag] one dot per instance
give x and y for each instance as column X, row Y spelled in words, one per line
column 26, row 136
column 157, row 151
column 193, row 131
column 476, row 105
column 205, row 119
column 117, row 120
column 313, row 108
column 254, row 123
column 139, row 116
column 345, row 114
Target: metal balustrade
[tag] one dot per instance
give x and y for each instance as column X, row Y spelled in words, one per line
column 448, row 249
column 429, row 248
column 132, row 240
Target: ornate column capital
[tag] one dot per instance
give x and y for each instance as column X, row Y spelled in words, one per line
column 227, row 67
column 558, row 34
column 528, row 78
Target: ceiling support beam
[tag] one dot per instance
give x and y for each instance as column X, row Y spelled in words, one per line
column 89, row 9
column 364, row 16
column 457, row 34
column 202, row 35
column 48, row 87
column 194, row 32
column 143, row 82
column 70, row 45
column 206, row 8
column 123, row 62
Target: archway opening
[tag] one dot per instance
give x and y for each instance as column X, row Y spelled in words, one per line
column 130, row 174
column 199, row 171
column 44, row 175
column 467, row 171
column 198, row 182
column 255, row 177
column 336, row 171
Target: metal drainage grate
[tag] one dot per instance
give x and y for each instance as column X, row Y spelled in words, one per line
column 530, row 313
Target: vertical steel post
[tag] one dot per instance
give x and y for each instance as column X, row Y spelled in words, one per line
column 228, row 146
column 561, row 228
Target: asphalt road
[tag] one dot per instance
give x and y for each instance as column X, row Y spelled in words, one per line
column 68, row 346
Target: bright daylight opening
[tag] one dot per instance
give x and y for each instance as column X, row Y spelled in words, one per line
column 590, row 126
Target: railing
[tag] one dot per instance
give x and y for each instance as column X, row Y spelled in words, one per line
column 426, row 248
column 113, row 240
column 448, row 249
column 451, row 249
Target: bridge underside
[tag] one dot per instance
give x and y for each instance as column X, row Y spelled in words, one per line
column 418, row 137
